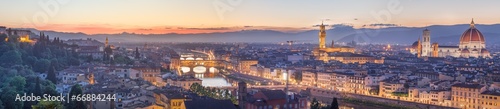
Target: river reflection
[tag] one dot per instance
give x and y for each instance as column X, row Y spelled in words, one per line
column 211, row 79
column 214, row 82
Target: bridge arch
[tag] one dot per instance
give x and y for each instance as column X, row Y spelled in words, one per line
column 205, row 67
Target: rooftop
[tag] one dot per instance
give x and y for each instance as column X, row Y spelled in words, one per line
column 274, row 94
column 465, row 85
column 495, row 93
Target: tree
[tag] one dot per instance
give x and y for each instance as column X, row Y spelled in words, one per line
column 30, row 60
column 8, row 98
column 1, row 104
column 41, row 65
column 51, row 75
column 48, row 105
column 75, row 91
column 194, row 87
column 38, row 88
column 18, row 83
column 315, row 104
column 11, row 58
column 335, row 104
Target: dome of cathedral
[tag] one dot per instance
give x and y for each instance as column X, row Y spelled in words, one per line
column 415, row 44
column 472, row 34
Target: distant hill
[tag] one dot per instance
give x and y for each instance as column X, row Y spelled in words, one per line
column 443, row 34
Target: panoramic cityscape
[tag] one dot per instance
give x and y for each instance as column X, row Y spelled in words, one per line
column 242, row 54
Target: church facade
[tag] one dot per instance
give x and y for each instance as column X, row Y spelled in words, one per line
column 472, row 44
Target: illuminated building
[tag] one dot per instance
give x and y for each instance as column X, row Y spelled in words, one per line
column 338, row 53
column 352, row 58
column 106, row 42
column 177, row 103
column 465, row 95
column 150, row 74
column 319, row 52
column 91, row 78
column 325, row 80
column 435, row 97
column 24, row 35
column 309, row 78
column 490, row 99
column 322, row 36
column 426, row 43
column 390, row 86
column 244, row 64
column 472, row 44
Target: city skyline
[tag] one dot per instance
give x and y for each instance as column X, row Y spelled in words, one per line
column 188, row 17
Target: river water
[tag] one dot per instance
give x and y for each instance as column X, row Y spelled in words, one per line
column 214, row 82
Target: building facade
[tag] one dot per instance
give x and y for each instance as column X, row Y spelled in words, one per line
column 466, row 95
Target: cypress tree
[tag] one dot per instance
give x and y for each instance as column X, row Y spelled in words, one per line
column 335, row 104
column 38, row 89
column 52, row 75
column 76, row 90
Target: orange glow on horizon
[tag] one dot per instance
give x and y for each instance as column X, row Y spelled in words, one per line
column 107, row 29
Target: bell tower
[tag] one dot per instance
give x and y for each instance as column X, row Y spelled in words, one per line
column 106, row 42
column 322, row 36
column 426, row 43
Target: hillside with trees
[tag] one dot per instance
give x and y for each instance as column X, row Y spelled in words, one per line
column 20, row 66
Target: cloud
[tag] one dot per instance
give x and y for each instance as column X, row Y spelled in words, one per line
column 341, row 25
column 213, row 28
column 384, row 25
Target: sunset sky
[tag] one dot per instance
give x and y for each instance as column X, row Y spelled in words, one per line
column 206, row 16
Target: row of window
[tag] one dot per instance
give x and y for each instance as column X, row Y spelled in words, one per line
column 490, row 103
column 489, row 97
